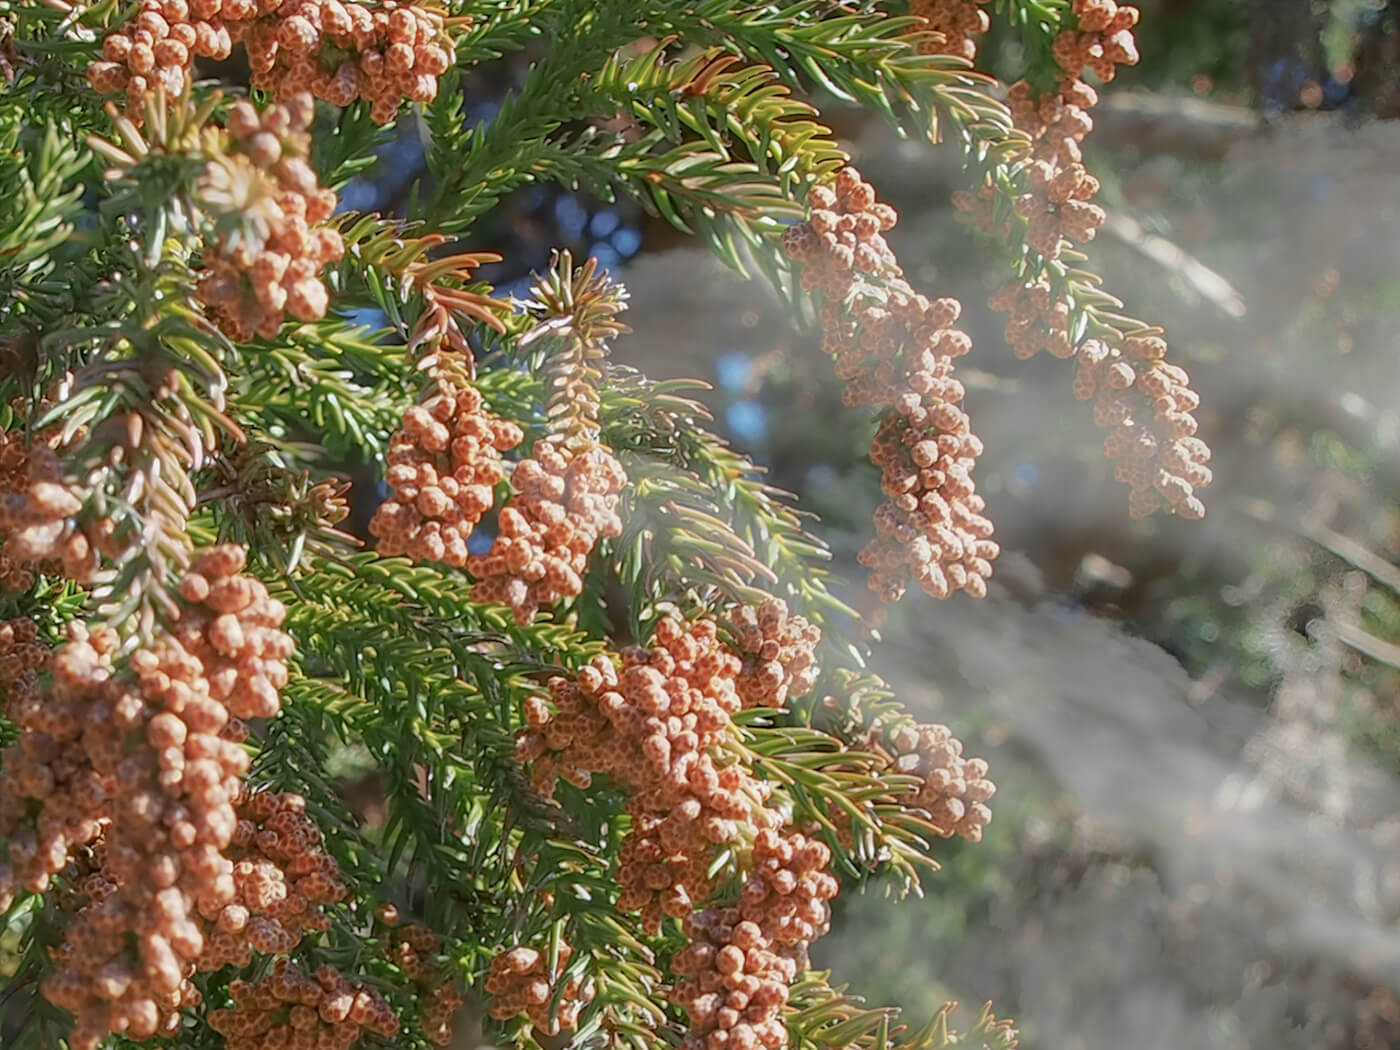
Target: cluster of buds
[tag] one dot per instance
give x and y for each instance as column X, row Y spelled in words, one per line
column 21, row 656
column 269, row 263
column 1037, row 319
column 288, row 1009
column 662, row 865
column 1145, row 403
column 656, row 728
column 157, row 48
column 1102, row 39
column 342, row 51
column 742, row 957
column 1056, row 204
column 520, row 982
column 51, row 799
column 444, row 465
column 894, row 348
column 106, row 997
column 779, row 653
column 651, row 728
column 37, row 527
column 167, row 736
column 411, row 948
column 232, row 629
column 1056, row 207
column 954, row 790
column 282, row 880
column 788, row 891
column 930, row 528
column 337, row 51
column 646, row 726
column 842, row 237
column 733, row 986
column 564, row 501
column 958, row 22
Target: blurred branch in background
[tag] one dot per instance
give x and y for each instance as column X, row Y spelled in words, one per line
column 1183, row 266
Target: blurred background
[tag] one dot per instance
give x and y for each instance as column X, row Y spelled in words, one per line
column 1195, row 728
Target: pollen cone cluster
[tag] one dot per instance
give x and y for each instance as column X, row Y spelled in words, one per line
column 520, row 982
column 1146, row 406
column 658, row 728
column 411, row 948
column 290, row 1010
column 444, row 465
column 895, row 349
column 165, row 736
column 564, row 501
column 1057, row 203
column 1038, row 319
column 385, row 52
column 158, row 46
column 271, row 243
column 954, row 790
column 37, row 530
column 959, row 22
column 743, row 956
column 1102, row 39
column 1145, row 403
column 51, row 799
column 282, row 880
column 930, row 528
column 779, row 654
column 652, row 728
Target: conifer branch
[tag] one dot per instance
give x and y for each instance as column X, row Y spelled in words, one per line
column 868, row 58
column 499, row 27
column 341, row 383
column 575, row 312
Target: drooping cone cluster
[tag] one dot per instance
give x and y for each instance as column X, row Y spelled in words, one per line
column 1102, row 39
column 106, row 996
column 271, row 244
column 51, row 799
column 165, row 735
column 520, row 982
column 338, row 51
column 443, row 466
column 954, row 791
column 960, row 22
column 1145, row 403
column 37, row 527
column 341, row 51
column 1056, row 203
column 895, row 349
column 658, row 729
column 282, row 881
column 564, row 501
column 730, row 976
column 930, row 528
column 652, row 728
column 288, row 1009
column 1039, row 319
column 411, row 948
column 158, row 47
column 779, row 654
column 743, row 956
